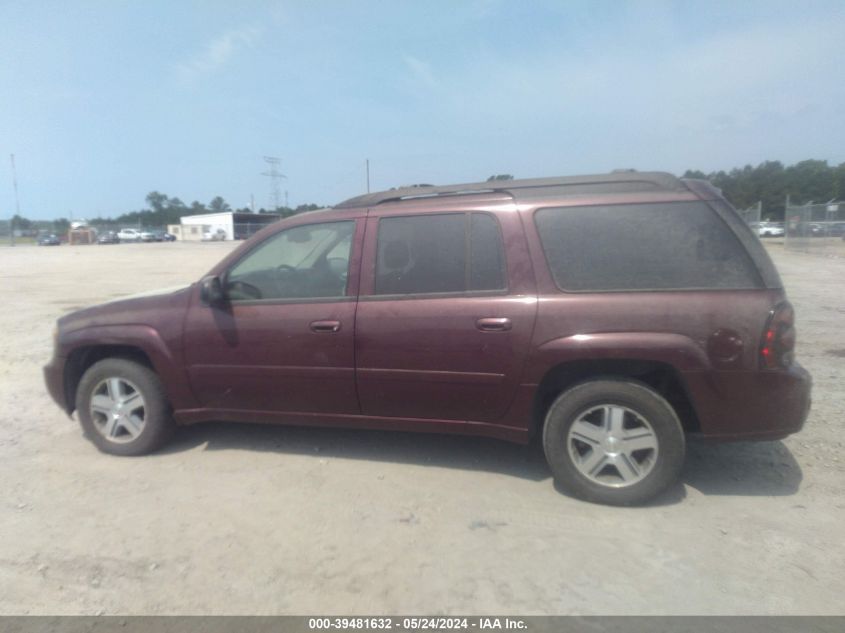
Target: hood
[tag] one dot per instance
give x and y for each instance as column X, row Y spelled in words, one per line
column 149, row 293
column 145, row 308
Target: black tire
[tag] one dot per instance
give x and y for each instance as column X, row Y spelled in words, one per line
column 635, row 397
column 158, row 424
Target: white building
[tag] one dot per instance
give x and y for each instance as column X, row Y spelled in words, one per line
column 235, row 226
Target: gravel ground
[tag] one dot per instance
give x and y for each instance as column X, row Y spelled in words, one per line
column 243, row 519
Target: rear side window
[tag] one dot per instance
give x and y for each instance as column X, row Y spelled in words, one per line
column 661, row 246
column 424, row 254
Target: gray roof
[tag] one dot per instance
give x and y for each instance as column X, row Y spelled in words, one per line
column 621, row 181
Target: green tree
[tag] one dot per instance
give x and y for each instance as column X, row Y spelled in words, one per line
column 176, row 204
column 156, row 200
column 218, row 205
column 197, row 208
column 770, row 182
column 839, row 182
column 810, row 180
column 495, row 177
column 21, row 223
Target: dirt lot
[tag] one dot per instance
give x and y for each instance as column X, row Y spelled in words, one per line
column 248, row 519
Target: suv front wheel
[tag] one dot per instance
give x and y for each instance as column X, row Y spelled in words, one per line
column 122, row 407
column 613, row 441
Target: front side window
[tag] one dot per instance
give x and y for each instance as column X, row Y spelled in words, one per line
column 661, row 246
column 303, row 262
column 423, row 254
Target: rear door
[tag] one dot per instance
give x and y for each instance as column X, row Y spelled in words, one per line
column 445, row 314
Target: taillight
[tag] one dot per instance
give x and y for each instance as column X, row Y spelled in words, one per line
column 777, row 348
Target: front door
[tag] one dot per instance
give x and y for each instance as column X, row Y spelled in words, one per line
column 284, row 340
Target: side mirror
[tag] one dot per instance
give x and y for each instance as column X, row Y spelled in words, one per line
column 211, row 291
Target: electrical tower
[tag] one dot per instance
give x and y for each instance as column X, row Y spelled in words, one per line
column 17, row 202
column 275, row 180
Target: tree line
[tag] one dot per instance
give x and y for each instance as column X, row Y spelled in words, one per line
column 164, row 210
column 770, row 182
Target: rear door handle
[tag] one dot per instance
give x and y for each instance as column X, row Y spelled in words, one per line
column 323, row 327
column 493, row 324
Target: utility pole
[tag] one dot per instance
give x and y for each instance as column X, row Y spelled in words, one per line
column 275, row 180
column 286, row 199
column 368, row 175
column 252, row 202
column 17, row 202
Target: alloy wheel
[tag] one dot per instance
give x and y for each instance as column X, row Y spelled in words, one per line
column 612, row 445
column 118, row 410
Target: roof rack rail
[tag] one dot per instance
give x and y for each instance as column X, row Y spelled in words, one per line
column 648, row 180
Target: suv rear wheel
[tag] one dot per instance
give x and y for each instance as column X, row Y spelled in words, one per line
column 613, row 441
column 122, row 407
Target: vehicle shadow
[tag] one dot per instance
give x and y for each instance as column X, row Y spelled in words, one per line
column 750, row 469
column 742, row 468
column 424, row 449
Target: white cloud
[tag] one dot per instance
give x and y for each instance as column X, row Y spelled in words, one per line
column 218, row 52
column 420, row 71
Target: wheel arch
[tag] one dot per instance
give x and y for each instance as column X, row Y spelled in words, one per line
column 138, row 343
column 84, row 357
column 660, row 376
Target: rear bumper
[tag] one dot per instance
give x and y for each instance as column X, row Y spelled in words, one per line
column 54, row 378
column 757, row 405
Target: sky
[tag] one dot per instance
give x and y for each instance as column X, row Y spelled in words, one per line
column 103, row 102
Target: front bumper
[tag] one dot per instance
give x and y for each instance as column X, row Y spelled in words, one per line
column 54, row 379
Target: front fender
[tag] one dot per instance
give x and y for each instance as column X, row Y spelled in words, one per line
column 145, row 338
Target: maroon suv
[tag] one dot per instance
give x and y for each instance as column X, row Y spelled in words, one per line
column 613, row 314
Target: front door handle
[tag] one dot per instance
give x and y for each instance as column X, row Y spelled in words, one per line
column 323, row 327
column 493, row 324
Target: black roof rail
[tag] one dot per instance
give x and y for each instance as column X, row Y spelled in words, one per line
column 630, row 180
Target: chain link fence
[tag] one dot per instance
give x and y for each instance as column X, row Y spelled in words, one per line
column 751, row 215
column 816, row 228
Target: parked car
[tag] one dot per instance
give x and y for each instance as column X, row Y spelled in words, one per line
column 766, row 229
column 129, row 235
column 109, row 237
column 49, row 240
column 148, row 236
column 613, row 316
column 214, row 236
column 162, row 236
column 828, row 229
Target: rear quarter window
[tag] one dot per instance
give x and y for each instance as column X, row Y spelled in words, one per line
column 660, row 246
